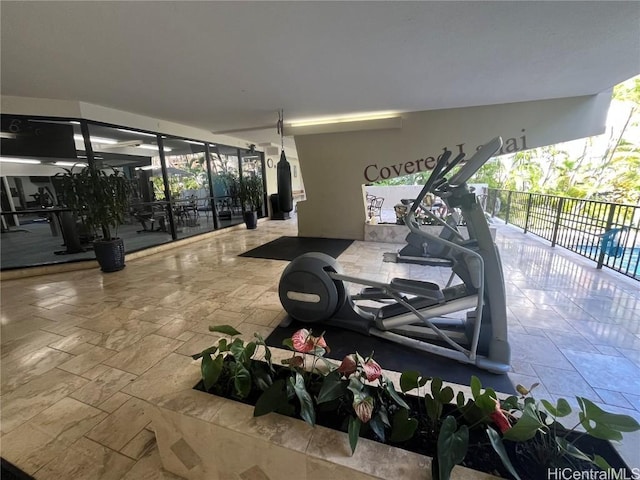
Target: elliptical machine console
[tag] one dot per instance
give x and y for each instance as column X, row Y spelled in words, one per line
column 412, row 312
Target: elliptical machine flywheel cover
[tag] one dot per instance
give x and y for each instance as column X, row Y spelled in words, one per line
column 307, row 292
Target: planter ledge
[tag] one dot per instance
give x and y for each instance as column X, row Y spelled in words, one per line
column 203, row 436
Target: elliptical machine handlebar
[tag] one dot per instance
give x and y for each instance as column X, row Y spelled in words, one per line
column 451, row 165
column 442, row 161
column 484, row 153
column 437, row 176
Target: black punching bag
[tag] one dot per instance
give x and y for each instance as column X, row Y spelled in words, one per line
column 285, row 195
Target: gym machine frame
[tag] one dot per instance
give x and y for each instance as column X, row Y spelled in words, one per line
column 312, row 286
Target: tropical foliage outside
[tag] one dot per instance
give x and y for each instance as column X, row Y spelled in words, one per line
column 597, row 168
column 606, row 167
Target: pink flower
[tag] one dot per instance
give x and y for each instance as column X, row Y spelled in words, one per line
column 364, row 409
column 304, row 342
column 498, row 417
column 348, row 365
column 319, row 341
column 300, row 340
column 372, row 370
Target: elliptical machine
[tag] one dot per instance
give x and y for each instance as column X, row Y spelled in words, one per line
column 410, row 312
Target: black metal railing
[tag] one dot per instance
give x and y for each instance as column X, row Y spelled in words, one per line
column 607, row 233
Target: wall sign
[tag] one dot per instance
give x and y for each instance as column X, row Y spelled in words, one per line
column 25, row 137
column 374, row 173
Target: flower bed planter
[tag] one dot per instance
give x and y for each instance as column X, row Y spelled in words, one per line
column 203, row 436
column 480, row 456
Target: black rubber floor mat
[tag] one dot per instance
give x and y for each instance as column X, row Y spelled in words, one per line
column 288, row 248
column 393, row 356
column 9, row 471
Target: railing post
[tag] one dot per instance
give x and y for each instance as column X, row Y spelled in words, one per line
column 526, row 218
column 554, row 237
column 612, row 210
column 506, row 216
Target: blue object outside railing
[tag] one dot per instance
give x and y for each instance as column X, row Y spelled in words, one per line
column 605, row 232
column 610, row 244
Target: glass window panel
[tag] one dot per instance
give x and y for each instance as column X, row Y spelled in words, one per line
column 37, row 227
column 252, row 165
column 40, row 224
column 189, row 186
column 135, row 154
column 226, row 185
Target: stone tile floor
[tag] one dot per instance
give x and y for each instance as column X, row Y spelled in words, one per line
column 74, row 344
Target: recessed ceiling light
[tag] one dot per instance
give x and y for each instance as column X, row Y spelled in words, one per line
column 153, row 147
column 108, row 141
column 70, row 164
column 19, row 160
column 343, row 119
column 136, row 133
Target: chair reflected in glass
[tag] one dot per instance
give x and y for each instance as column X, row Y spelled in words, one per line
column 204, row 205
column 152, row 218
column 186, row 212
column 370, row 200
column 375, row 207
column 223, row 208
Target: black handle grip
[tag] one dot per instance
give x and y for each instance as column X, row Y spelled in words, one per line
column 435, row 174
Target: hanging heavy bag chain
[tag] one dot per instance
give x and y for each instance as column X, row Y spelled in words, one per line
column 285, row 193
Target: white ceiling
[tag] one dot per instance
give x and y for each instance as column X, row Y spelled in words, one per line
column 232, row 65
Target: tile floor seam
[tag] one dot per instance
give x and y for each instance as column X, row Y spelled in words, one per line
column 573, row 394
column 86, row 435
column 71, row 446
column 145, row 451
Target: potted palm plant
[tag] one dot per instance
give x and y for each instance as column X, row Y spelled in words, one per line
column 101, row 200
column 251, row 196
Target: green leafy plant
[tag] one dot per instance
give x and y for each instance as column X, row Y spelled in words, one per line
column 365, row 400
column 232, row 364
column 293, row 387
column 100, row 198
column 452, row 439
column 230, row 183
column 551, row 444
column 176, row 186
column 251, row 192
column 372, row 397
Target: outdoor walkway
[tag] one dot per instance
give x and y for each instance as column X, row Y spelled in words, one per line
column 73, row 343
